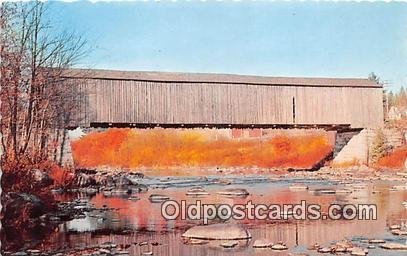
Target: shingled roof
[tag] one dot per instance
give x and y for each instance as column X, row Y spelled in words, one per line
column 217, row 78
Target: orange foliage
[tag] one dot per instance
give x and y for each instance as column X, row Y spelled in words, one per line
column 62, row 177
column 130, row 148
column 19, row 176
column 395, row 160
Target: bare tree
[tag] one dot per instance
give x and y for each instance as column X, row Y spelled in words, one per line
column 37, row 101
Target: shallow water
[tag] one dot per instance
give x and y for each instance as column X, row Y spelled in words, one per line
column 133, row 222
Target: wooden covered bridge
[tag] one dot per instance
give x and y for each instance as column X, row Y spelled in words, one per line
column 148, row 99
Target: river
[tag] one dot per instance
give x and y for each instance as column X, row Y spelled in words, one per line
column 134, row 219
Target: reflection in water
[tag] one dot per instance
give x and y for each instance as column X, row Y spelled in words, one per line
column 132, row 222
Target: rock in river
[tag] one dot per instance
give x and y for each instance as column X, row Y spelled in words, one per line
column 20, row 254
column 229, row 244
column 240, row 192
column 19, row 202
column 196, row 241
column 356, row 251
column 396, row 226
column 394, row 246
column 156, row 198
column 197, row 191
column 123, row 181
column 399, row 232
column 108, row 245
column 279, row 247
column 325, row 250
column 120, row 192
column 84, row 180
column 219, row 231
column 90, row 191
column 323, row 191
column 139, row 188
column 314, row 247
column 376, row 241
column 261, row 243
column 134, row 198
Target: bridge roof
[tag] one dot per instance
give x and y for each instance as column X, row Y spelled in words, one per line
column 175, row 77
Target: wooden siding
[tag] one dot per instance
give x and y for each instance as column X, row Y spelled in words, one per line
column 133, row 101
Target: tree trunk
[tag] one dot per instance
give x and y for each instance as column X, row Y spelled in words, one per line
column 61, row 153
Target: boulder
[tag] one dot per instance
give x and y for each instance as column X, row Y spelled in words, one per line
column 394, row 246
column 345, row 244
column 17, row 202
column 41, row 178
column 221, row 231
column 123, row 181
column 84, row 180
column 107, row 181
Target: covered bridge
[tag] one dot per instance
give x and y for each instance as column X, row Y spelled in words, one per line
column 146, row 99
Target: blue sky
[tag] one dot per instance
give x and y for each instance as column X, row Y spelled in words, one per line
column 260, row 38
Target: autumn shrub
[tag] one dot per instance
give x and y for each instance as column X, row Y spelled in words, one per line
column 17, row 178
column 394, row 160
column 130, row 148
column 18, row 175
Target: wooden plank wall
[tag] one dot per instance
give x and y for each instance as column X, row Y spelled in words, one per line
column 127, row 101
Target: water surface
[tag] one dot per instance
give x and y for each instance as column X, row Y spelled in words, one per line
column 135, row 221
